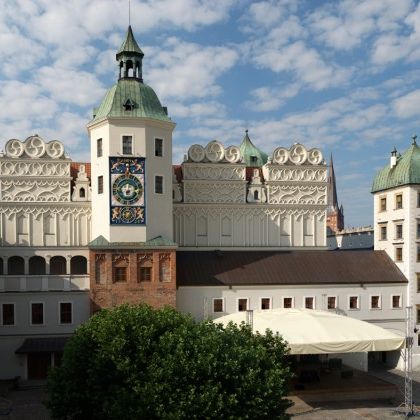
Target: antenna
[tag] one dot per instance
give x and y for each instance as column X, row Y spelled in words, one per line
column 129, row 12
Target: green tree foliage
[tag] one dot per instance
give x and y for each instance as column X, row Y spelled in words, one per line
column 135, row 362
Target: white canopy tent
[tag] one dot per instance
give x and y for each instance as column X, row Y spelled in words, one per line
column 309, row 331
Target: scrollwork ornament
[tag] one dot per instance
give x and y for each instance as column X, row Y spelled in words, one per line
column 215, row 151
column 196, row 153
column 315, row 156
column 34, row 147
column 14, row 148
column 280, row 155
column 298, row 154
column 233, row 154
column 55, row 149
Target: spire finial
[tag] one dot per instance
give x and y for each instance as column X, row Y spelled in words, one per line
column 129, row 13
column 414, row 137
column 246, row 131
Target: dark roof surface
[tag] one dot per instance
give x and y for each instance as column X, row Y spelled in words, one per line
column 42, row 345
column 215, row 268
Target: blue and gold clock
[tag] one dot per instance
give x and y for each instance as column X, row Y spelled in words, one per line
column 127, row 189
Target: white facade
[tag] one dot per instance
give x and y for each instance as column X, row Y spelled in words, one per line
column 282, row 206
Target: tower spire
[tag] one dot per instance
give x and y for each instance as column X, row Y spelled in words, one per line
column 130, row 58
column 332, row 188
column 335, row 213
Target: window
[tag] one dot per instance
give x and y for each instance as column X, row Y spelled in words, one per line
column 332, row 302
column 256, row 195
column 37, row 313
column 383, row 233
column 127, row 145
column 398, row 231
column 265, row 303
column 309, row 302
column 218, row 305
column 382, row 205
column 418, row 340
column 100, row 184
column 398, row 201
column 418, row 282
column 287, row 302
column 418, row 199
column 66, row 316
column 398, row 254
column 165, row 268
column 120, row 265
column 418, row 314
column 254, row 160
column 99, row 148
column 418, row 253
column 8, row 314
column 159, row 184
column 418, row 230
column 375, row 302
column 158, row 147
column 120, row 274
column 145, row 274
column 242, row 304
column 353, row 302
column 396, row 301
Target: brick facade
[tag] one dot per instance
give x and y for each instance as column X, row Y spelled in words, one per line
column 110, row 287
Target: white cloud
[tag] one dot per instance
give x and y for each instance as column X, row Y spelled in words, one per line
column 267, row 98
column 196, row 110
column 408, row 105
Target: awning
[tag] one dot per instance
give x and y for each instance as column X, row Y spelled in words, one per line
column 42, row 345
column 318, row 332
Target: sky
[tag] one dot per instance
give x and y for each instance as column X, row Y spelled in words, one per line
column 339, row 75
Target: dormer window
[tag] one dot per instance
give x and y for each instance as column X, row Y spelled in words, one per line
column 128, row 105
column 255, row 195
column 82, row 193
column 254, row 159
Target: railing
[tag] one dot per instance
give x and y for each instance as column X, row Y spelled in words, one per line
column 30, row 283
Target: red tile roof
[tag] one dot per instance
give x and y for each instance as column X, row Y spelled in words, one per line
column 74, row 169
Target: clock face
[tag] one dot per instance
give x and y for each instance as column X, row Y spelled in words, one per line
column 127, row 189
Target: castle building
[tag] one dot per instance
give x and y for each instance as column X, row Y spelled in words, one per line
column 229, row 229
column 396, row 192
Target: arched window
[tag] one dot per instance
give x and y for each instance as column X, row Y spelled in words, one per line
column 82, row 193
column 145, row 268
column 57, row 265
column 78, row 265
column 120, row 265
column 256, row 195
column 36, row 265
column 129, row 68
column 15, row 266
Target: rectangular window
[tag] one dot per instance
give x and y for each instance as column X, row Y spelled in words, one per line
column 418, row 314
column 127, row 145
column 418, row 253
column 8, row 314
column 396, row 301
column 354, row 302
column 100, row 184
column 398, row 201
column 332, row 302
column 265, row 303
column 287, row 302
column 418, row 199
column 37, row 313
column 66, row 316
column 218, row 305
column 418, row 340
column 159, row 147
column 145, row 273
column 418, row 230
column 120, row 274
column 383, row 233
column 418, row 282
column 398, row 231
column 375, row 302
column 242, row 304
column 309, row 302
column 382, row 205
column 159, row 184
column 398, row 254
column 99, row 147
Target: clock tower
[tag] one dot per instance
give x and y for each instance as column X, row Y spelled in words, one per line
column 132, row 253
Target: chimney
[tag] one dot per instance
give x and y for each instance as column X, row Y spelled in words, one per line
column 393, row 161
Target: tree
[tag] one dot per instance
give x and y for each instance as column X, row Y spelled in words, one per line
column 135, row 362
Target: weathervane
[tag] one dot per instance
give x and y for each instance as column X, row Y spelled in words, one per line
column 414, row 137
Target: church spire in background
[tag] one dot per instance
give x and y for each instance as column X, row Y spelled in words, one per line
column 335, row 213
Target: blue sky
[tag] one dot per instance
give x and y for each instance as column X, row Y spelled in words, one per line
column 339, row 75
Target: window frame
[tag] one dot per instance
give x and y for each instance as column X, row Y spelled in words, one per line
column 162, row 147
column 99, row 147
column 123, row 136
column 247, row 304
column 270, row 303
column 379, row 302
column 100, row 184
column 357, row 308
column 399, row 235
column 223, row 305
column 392, row 301
column 313, row 302
column 418, row 282
column 397, row 257
column 336, row 302
column 71, row 312
column 30, row 313
column 382, row 229
column 398, row 202
column 292, row 303
column 163, row 185
column 14, row 314
column 382, row 203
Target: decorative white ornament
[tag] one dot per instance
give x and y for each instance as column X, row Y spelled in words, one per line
column 315, row 156
column 298, row 154
column 55, row 149
column 14, row 148
column 233, row 154
column 215, row 151
column 280, row 155
column 34, row 147
column 196, row 153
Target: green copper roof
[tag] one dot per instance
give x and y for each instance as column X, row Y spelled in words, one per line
column 101, row 243
column 145, row 102
column 251, row 154
column 130, row 44
column 407, row 171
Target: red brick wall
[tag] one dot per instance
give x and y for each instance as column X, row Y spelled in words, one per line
column 155, row 292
